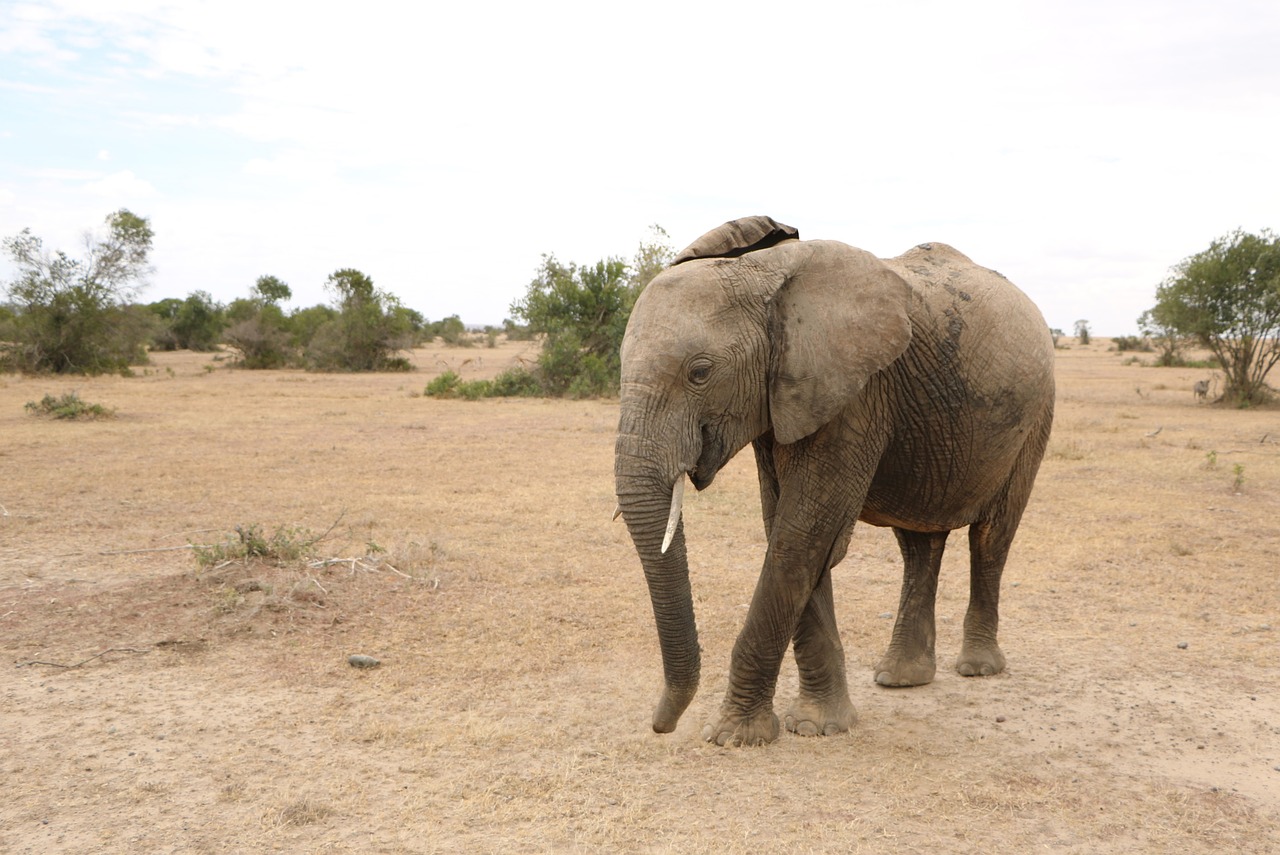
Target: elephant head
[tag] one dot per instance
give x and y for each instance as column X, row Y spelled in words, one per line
column 750, row 331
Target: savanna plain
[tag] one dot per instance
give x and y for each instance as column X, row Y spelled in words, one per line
column 161, row 698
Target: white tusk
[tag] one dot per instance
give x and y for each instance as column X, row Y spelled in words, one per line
column 673, row 519
column 617, row 512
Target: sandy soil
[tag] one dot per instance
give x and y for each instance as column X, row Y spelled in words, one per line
column 213, row 710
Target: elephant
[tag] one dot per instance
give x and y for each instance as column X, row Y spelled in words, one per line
column 915, row 393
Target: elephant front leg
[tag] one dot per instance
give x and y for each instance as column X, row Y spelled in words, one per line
column 746, row 715
column 822, row 707
column 910, row 659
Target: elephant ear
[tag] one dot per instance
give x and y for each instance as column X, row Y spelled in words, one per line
column 839, row 316
column 738, row 237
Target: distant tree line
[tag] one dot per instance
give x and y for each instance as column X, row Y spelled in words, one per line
column 80, row 315
column 65, row 314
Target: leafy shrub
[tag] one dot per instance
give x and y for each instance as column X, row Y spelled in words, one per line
column 286, row 543
column 582, row 311
column 260, row 344
column 515, row 383
column 303, row 323
column 198, row 323
column 517, row 332
column 594, row 378
column 452, row 332
column 443, row 386
column 396, row 363
column 367, row 332
column 474, row 390
column 1124, row 343
column 69, row 406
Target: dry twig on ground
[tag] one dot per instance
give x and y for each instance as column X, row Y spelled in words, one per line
column 135, row 650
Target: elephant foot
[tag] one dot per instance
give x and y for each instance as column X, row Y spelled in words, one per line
column 899, row 672
column 736, row 730
column 810, row 716
column 980, row 660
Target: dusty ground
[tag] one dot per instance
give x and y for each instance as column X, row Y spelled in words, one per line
column 1140, row 710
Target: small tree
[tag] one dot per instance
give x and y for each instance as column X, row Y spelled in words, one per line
column 451, row 330
column 1227, row 298
column 582, row 311
column 258, row 329
column 1165, row 339
column 367, row 332
column 272, row 290
column 70, row 312
column 1082, row 331
column 198, row 323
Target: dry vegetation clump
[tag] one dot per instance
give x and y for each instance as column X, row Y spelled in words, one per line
column 211, row 706
column 68, row 406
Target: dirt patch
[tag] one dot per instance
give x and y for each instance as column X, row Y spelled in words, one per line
column 215, row 710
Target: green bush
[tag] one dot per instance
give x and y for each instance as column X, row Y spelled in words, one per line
column 582, row 312
column 259, row 343
column 518, row 332
column 198, row 323
column 474, row 390
column 516, row 383
column 285, row 544
column 594, row 379
column 452, row 331
column 1124, row 343
column 302, row 324
column 69, row 406
column 443, row 386
column 367, row 332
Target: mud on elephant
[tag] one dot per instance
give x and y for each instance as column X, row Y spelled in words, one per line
column 915, row 392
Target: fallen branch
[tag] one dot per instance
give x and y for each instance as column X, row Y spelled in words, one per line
column 316, row 540
column 156, row 549
column 87, row 661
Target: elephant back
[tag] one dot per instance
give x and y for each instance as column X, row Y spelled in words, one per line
column 965, row 305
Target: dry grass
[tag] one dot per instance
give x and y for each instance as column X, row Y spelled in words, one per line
column 519, row 663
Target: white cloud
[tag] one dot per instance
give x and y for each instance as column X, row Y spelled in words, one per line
column 294, row 165
column 123, row 185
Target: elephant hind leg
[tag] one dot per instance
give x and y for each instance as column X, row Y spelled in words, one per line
column 910, row 660
column 980, row 653
column 989, row 542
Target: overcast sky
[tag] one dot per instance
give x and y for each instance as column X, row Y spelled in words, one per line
column 1079, row 148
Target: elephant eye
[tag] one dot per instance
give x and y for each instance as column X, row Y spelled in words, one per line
column 699, row 373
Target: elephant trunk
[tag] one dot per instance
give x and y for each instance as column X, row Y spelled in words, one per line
column 645, row 497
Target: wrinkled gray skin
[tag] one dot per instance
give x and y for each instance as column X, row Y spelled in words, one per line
column 915, row 393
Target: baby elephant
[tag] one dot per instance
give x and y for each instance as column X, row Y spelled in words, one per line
column 1201, row 389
